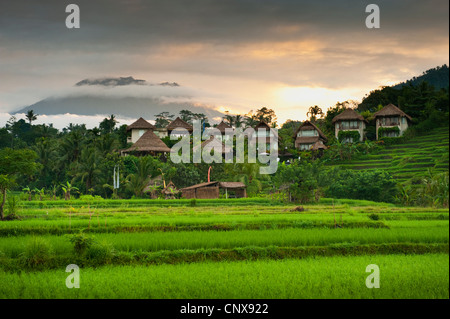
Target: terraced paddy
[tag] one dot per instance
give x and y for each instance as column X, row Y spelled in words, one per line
column 230, row 251
column 411, row 160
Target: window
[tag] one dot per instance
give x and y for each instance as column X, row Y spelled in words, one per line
column 348, row 125
column 390, row 121
column 308, row 133
column 305, row 147
column 265, row 133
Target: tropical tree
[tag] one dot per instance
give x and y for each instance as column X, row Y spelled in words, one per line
column 29, row 191
column 163, row 119
column 267, row 115
column 67, row 189
column 314, row 112
column 108, row 124
column 145, row 168
column 31, row 116
column 13, row 164
column 87, row 168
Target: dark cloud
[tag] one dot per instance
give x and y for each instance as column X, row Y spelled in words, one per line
column 215, row 43
column 112, row 81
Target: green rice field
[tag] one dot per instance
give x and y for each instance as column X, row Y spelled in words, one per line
column 241, row 249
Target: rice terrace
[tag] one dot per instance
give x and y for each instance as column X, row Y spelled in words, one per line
column 324, row 179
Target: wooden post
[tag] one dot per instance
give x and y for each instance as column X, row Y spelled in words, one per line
column 226, row 193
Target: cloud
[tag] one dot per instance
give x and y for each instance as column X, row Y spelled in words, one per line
column 234, row 54
column 112, row 81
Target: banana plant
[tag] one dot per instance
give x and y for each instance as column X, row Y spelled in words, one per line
column 41, row 192
column 67, row 188
column 29, row 191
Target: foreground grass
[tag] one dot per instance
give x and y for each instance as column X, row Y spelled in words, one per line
column 415, row 276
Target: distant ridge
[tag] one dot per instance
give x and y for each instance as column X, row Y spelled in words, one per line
column 437, row 77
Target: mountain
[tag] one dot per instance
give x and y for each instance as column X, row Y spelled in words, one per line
column 128, row 107
column 437, row 77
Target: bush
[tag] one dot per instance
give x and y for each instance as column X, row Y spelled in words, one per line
column 37, row 252
column 349, row 134
column 376, row 185
column 13, row 203
column 193, row 202
column 100, row 253
column 81, row 242
column 374, row 216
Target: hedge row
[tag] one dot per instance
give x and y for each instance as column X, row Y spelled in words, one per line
column 109, row 257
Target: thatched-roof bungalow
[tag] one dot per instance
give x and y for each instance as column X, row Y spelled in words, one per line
column 138, row 129
column 349, row 121
column 267, row 132
column 214, row 144
column 222, row 126
column 177, row 124
column 211, row 190
column 309, row 136
column 391, row 121
column 148, row 144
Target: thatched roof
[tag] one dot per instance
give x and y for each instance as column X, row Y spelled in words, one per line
column 220, row 184
column 318, row 145
column 307, row 139
column 179, row 123
column 266, row 126
column 214, row 143
column 348, row 114
column 149, row 142
column 232, row 185
column 391, row 110
column 207, row 184
column 141, row 124
column 307, row 125
column 222, row 126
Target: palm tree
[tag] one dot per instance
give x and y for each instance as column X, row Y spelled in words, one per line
column 146, row 169
column 313, row 112
column 229, row 118
column 238, row 121
column 31, row 116
column 87, row 168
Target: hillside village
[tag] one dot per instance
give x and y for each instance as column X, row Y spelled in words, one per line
column 314, row 155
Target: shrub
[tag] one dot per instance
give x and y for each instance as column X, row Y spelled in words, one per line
column 193, row 202
column 376, row 185
column 37, row 252
column 100, row 253
column 374, row 216
column 349, row 134
column 81, row 242
column 13, row 203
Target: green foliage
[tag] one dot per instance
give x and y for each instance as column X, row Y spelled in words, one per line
column 193, row 202
column 300, row 180
column 433, row 190
column 354, row 135
column 373, row 185
column 37, row 252
column 383, row 130
column 81, row 242
column 13, row 205
column 100, row 253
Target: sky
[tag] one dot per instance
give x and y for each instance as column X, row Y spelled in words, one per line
column 228, row 55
